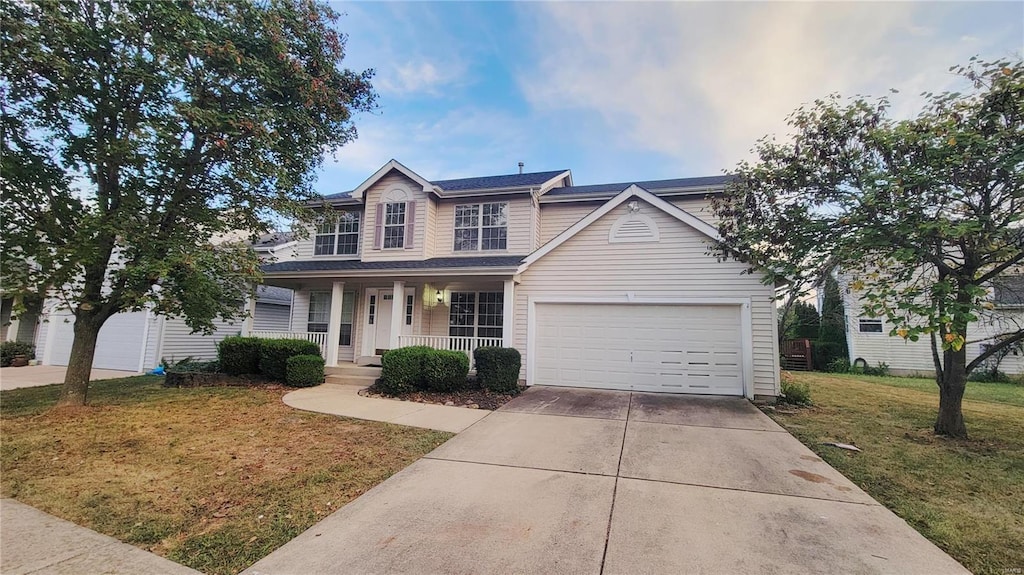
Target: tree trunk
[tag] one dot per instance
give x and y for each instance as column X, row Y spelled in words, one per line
column 950, row 420
column 83, row 348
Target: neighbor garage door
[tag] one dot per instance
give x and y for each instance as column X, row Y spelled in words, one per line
column 119, row 346
column 659, row 348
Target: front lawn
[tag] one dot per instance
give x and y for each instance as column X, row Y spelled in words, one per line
column 965, row 496
column 213, row 478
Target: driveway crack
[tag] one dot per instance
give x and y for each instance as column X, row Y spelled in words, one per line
column 615, row 487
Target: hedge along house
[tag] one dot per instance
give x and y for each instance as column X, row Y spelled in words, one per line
column 602, row 286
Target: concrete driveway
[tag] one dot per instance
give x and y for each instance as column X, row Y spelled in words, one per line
column 580, row 481
column 37, row 375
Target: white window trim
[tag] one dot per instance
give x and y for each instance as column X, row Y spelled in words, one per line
column 476, row 315
column 871, row 320
column 336, row 255
column 384, row 225
column 309, row 310
column 479, row 227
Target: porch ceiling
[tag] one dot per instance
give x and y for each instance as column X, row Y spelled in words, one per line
column 492, row 266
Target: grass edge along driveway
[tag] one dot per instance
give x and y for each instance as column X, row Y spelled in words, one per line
column 967, row 497
column 212, row 478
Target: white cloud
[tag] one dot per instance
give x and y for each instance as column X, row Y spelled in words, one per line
column 701, row 82
column 420, row 77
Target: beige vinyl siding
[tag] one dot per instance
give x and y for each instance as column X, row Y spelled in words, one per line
column 303, row 249
column 698, row 206
column 374, row 196
column 520, row 214
column 676, row 266
column 535, row 223
column 179, row 342
column 430, row 229
column 435, row 319
column 556, row 218
column 271, row 317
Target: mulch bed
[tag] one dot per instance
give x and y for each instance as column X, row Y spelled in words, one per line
column 475, row 398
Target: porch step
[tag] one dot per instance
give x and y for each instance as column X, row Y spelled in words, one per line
column 344, row 379
column 353, row 370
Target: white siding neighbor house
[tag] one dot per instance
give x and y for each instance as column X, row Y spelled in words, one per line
column 601, row 286
column 138, row 341
column 868, row 338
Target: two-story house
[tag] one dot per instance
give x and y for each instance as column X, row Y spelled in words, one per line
column 604, row 286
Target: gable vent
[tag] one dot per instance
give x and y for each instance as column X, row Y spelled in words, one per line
column 633, row 227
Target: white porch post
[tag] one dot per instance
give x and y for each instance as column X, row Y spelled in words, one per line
column 508, row 309
column 334, row 324
column 397, row 312
column 250, row 315
column 15, row 320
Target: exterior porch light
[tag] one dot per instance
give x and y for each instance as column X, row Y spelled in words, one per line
column 440, row 296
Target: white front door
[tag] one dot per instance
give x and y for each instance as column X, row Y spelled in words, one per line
column 382, row 320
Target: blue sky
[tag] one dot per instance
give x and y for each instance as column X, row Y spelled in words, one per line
column 622, row 91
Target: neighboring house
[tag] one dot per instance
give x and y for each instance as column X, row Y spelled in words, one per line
column 137, row 341
column 603, row 286
column 18, row 326
column 868, row 337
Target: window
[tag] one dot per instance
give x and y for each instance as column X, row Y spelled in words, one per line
column 319, row 311
column 476, row 314
column 373, row 308
column 338, row 236
column 348, row 307
column 481, row 227
column 870, row 326
column 394, row 225
column 409, row 299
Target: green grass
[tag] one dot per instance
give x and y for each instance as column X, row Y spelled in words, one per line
column 966, row 496
column 213, row 478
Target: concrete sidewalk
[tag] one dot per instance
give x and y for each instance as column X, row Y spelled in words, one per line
column 587, row 481
column 345, row 400
column 38, row 543
column 38, row 375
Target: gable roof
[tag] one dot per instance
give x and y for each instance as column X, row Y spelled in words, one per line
column 656, row 187
column 630, row 192
column 529, row 180
column 383, row 171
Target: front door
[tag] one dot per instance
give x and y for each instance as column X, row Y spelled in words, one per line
column 382, row 321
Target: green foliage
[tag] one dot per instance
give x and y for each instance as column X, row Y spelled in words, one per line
column 189, row 365
column 445, row 370
column 795, row 393
column 274, row 354
column 824, row 353
column 833, row 316
column 305, row 370
column 881, row 370
column 9, row 349
column 801, row 321
column 402, row 369
column 239, row 355
column 136, row 136
column 497, row 368
column 922, row 213
column 839, row 365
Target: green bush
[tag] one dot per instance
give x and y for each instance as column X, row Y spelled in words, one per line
column 445, row 370
column 402, row 369
column 795, row 393
column 839, row 365
column 823, row 353
column 239, row 355
column 305, row 370
column 189, row 365
column 497, row 368
column 9, row 349
column 274, row 354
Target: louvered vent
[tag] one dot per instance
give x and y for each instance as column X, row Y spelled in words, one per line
column 633, row 228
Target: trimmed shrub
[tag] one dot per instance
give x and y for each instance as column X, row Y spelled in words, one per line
column 795, row 393
column 445, row 370
column 402, row 369
column 274, row 354
column 239, row 355
column 305, row 370
column 823, row 353
column 9, row 349
column 838, row 365
column 497, row 368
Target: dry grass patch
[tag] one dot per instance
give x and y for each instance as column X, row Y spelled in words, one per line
column 965, row 496
column 213, row 478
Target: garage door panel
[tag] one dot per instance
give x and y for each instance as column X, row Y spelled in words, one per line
column 660, row 348
column 118, row 346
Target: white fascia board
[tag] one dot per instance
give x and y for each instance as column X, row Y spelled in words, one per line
column 630, row 192
column 550, row 184
column 383, row 171
column 663, row 192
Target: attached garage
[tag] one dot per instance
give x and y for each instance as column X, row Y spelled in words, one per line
column 120, row 345
column 699, row 348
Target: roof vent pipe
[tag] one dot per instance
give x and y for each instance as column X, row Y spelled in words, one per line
column 521, row 167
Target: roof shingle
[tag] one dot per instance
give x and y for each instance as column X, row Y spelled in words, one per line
column 652, row 186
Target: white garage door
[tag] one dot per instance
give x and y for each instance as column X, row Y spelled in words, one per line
column 657, row 348
column 119, row 346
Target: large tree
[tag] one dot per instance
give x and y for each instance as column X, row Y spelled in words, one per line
column 925, row 215
column 138, row 135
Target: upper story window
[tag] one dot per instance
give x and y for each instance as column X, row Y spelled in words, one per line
column 870, row 325
column 338, row 236
column 394, row 225
column 481, row 226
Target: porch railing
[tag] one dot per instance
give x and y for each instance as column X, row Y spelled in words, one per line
column 319, row 338
column 454, row 343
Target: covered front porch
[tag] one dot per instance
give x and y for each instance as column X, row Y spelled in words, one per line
column 355, row 320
